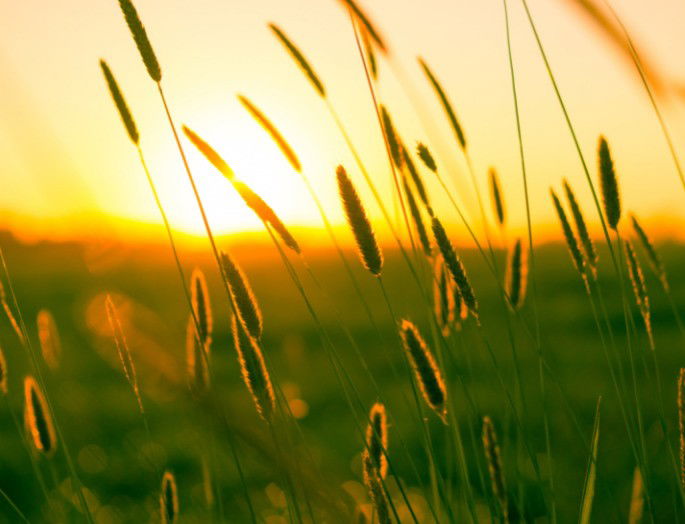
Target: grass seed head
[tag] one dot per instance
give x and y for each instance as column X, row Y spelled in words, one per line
column 415, row 213
column 393, row 138
column 637, row 280
column 141, row 39
column 299, row 59
column 366, row 24
column 202, row 307
column 652, row 255
column 377, row 439
column 494, row 459
column 361, row 227
column 197, row 360
column 120, row 102
column 455, row 266
column 38, row 418
column 374, row 486
column 246, row 304
column 588, row 246
column 609, row 185
column 48, row 336
column 517, row 275
column 427, row 373
column 497, row 197
column 571, row 241
column 253, row 369
column 426, row 157
column 168, row 499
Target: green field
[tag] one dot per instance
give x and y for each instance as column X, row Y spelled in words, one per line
column 120, row 463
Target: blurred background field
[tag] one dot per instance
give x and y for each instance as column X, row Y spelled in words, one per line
column 121, row 466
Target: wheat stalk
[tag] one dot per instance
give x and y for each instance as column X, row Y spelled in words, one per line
column 426, row 370
column 246, row 304
column 48, row 336
column 253, row 369
column 168, row 500
column 455, row 266
column 591, row 257
column 494, row 460
column 361, row 227
column 608, row 184
column 38, row 419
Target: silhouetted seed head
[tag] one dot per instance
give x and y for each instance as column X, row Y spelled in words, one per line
column 494, row 459
column 265, row 213
column 370, row 55
column 653, row 257
column 417, row 219
column 570, row 237
column 591, row 257
column 168, row 500
column 392, row 138
column 377, row 439
column 452, row 117
column 202, row 307
column 197, row 360
column 273, row 132
column 48, row 336
column 427, row 373
column 38, row 418
column 300, row 59
column 361, row 227
column 254, row 370
column 609, row 185
column 3, row 372
column 416, row 179
column 455, row 266
column 443, row 296
column 120, row 102
column 681, row 423
column 209, row 153
column 497, row 197
column 517, row 275
column 141, row 39
column 364, row 20
column 637, row 279
column 246, row 304
column 426, row 157
column 374, row 486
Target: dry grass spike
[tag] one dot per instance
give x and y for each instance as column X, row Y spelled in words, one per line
column 197, row 360
column 637, row 280
column 202, row 307
column 141, row 39
column 497, row 197
column 120, row 102
column 654, row 259
column 609, row 184
column 300, row 59
column 571, row 241
column 517, row 275
column 588, row 246
column 377, row 439
column 494, row 459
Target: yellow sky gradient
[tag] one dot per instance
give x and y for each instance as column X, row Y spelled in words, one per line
column 69, row 169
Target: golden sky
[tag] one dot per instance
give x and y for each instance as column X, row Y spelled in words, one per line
column 69, row 168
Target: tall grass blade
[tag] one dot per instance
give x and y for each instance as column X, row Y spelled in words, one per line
column 591, row 475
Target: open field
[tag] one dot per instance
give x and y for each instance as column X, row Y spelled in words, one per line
column 119, row 463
